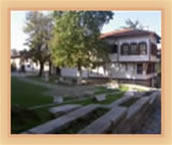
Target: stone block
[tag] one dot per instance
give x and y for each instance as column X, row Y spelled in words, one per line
column 130, row 93
column 137, row 107
column 88, row 94
column 57, row 111
column 58, row 99
column 100, row 97
column 104, row 124
column 134, row 118
column 54, row 125
column 153, row 97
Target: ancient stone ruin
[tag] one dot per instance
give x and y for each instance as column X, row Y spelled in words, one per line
column 124, row 116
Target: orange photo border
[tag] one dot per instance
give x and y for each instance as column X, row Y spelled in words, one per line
column 7, row 137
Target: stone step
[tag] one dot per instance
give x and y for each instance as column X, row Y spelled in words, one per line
column 104, row 123
column 63, row 121
column 60, row 110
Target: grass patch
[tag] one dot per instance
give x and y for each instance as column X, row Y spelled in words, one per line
column 79, row 124
column 109, row 99
column 23, row 119
column 52, row 79
column 26, row 94
column 104, row 90
column 123, row 88
column 112, row 97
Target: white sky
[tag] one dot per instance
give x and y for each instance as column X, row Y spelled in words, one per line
column 150, row 19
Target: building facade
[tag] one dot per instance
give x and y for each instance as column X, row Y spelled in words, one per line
column 133, row 58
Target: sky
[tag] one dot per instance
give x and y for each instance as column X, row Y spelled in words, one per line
column 151, row 20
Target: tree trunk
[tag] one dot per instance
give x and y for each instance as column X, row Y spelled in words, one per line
column 79, row 80
column 58, row 71
column 50, row 65
column 41, row 69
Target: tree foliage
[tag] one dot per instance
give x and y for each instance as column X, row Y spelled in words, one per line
column 133, row 24
column 39, row 27
column 76, row 41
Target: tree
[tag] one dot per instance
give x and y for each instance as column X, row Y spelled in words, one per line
column 76, row 41
column 133, row 24
column 39, row 27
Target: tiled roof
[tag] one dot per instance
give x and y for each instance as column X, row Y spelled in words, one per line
column 128, row 32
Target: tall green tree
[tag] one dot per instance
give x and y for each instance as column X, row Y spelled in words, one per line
column 39, row 28
column 76, row 41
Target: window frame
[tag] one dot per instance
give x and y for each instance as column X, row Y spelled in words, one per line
column 137, row 49
column 112, row 48
column 122, row 49
column 153, row 49
column 139, row 71
column 140, row 51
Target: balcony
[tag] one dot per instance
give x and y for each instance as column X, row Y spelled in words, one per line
column 133, row 58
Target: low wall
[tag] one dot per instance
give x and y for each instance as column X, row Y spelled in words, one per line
column 124, row 120
column 126, row 116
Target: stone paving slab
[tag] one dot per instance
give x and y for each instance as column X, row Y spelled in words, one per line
column 103, row 124
column 61, row 122
column 56, row 111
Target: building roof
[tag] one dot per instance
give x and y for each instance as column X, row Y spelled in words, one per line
column 15, row 53
column 128, row 33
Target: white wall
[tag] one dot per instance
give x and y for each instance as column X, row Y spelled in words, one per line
column 17, row 61
column 33, row 66
column 114, row 70
column 73, row 72
column 118, row 70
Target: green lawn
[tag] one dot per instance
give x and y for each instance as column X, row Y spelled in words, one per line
column 23, row 119
column 109, row 99
column 27, row 95
column 52, row 79
column 24, row 95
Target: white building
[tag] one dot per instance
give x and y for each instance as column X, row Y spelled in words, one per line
column 30, row 66
column 133, row 58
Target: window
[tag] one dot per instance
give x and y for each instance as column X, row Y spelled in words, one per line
column 134, row 49
column 125, row 49
column 151, row 68
column 115, row 49
column 139, row 68
column 153, row 49
column 143, row 48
